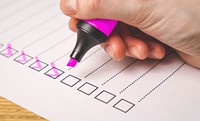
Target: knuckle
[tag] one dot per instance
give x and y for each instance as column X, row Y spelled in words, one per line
column 67, row 8
column 63, row 6
column 94, row 5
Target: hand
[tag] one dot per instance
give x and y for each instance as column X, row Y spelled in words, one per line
column 175, row 23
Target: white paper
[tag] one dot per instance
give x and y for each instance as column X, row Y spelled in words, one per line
column 99, row 88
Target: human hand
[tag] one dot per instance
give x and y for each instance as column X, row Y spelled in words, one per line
column 175, row 23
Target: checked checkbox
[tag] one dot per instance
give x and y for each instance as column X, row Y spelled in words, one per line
column 38, row 65
column 54, row 72
column 9, row 51
column 23, row 58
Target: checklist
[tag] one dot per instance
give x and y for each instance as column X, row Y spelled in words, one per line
column 35, row 46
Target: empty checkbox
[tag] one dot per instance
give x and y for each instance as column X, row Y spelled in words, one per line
column 70, row 80
column 124, row 105
column 105, row 97
column 87, row 88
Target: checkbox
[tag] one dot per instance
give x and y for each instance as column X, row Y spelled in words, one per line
column 23, row 59
column 38, row 65
column 124, row 105
column 70, row 80
column 8, row 52
column 54, row 73
column 87, row 88
column 105, row 97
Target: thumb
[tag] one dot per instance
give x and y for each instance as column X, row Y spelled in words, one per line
column 122, row 10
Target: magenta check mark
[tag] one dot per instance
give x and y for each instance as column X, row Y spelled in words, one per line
column 55, row 71
column 24, row 59
column 38, row 64
column 9, row 50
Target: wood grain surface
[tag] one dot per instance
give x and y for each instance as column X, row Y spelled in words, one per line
column 12, row 112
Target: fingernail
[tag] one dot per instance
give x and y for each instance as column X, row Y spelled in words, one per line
column 135, row 52
column 159, row 55
column 109, row 50
column 72, row 6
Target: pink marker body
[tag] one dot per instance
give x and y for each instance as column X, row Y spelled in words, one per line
column 103, row 25
column 89, row 34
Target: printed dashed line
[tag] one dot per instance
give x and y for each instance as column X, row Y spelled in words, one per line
column 143, row 74
column 119, row 72
column 140, row 77
column 162, row 82
column 98, row 68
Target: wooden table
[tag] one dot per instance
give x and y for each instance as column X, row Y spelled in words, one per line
column 12, row 112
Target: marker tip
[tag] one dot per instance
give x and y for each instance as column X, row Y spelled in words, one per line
column 72, row 62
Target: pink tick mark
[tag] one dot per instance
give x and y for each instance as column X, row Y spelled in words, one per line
column 23, row 56
column 38, row 63
column 72, row 62
column 9, row 50
column 54, row 70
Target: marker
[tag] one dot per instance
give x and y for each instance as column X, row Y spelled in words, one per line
column 89, row 34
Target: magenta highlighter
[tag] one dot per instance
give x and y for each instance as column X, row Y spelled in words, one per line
column 89, row 34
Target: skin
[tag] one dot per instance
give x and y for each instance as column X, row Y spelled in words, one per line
column 147, row 28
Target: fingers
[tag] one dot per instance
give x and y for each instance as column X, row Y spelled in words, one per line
column 115, row 47
column 141, row 49
column 156, row 49
column 109, row 9
column 136, row 48
column 72, row 24
column 139, row 46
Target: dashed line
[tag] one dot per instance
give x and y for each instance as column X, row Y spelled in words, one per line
column 162, row 82
column 119, row 72
column 98, row 68
column 143, row 75
column 140, row 77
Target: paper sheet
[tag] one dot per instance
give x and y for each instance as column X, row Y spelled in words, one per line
column 35, row 44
